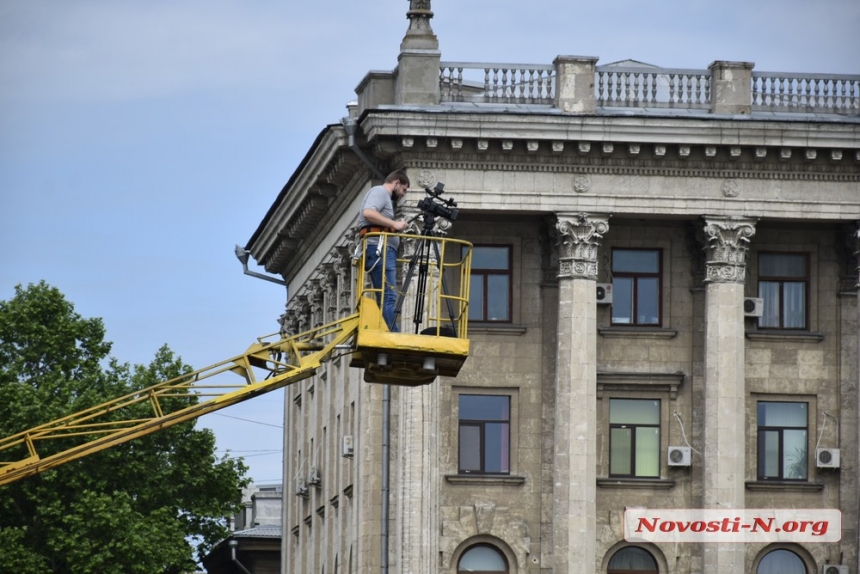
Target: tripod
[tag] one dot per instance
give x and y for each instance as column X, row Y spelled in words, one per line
column 420, row 260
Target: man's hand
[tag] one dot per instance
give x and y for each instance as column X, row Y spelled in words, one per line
column 400, row 225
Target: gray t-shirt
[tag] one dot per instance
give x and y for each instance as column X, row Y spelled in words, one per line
column 379, row 199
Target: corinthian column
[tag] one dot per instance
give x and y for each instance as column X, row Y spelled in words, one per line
column 723, row 458
column 574, row 467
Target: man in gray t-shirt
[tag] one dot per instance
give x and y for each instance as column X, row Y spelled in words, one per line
column 377, row 216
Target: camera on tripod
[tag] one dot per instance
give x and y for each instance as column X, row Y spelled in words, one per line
column 436, row 206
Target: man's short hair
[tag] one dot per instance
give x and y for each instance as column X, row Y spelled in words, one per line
column 398, row 175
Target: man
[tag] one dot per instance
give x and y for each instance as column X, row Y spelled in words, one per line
column 377, row 216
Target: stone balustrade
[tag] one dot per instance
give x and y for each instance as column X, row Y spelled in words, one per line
column 725, row 87
column 823, row 93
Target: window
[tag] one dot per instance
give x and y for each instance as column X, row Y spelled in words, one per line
column 485, row 426
column 781, row 562
column 634, row 437
column 636, row 286
column 782, row 441
column 490, row 287
column 632, row 560
column 783, row 280
column 482, row 558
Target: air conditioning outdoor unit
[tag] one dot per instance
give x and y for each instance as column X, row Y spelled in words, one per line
column 301, row 487
column 314, row 476
column 679, row 456
column 833, row 569
column 604, row 293
column 347, row 446
column 753, row 306
column 827, row 457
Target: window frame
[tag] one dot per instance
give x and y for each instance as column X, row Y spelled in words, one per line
column 636, row 276
column 483, row 545
column 634, row 426
column 481, row 424
column 781, row 443
column 781, row 280
column 483, row 274
column 611, row 570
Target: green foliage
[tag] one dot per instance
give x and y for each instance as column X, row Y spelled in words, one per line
column 128, row 509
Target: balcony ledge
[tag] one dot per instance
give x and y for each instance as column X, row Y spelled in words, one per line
column 638, row 483
column 485, row 479
column 784, row 486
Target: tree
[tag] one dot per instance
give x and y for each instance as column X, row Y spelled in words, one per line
column 132, row 508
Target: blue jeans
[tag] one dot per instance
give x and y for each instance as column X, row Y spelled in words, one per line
column 373, row 266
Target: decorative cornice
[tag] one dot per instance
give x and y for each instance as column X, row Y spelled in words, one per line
column 662, row 382
column 726, row 241
column 665, row 167
column 578, row 237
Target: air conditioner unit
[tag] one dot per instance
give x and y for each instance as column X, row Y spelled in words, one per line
column 679, row 456
column 314, row 476
column 347, row 446
column 753, row 306
column 833, row 569
column 604, row 293
column 301, row 487
column 827, row 457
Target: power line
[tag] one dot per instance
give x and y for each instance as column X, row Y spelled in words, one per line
column 249, row 421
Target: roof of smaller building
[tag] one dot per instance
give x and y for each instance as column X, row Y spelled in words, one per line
column 266, row 531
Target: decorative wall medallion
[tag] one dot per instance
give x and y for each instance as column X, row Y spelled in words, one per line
column 730, row 188
column 582, row 183
column 426, row 178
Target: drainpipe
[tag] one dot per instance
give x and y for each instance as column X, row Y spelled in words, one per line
column 350, row 125
column 386, row 434
column 242, row 255
column 233, row 544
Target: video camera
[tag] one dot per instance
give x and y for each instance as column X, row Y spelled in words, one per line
column 435, row 205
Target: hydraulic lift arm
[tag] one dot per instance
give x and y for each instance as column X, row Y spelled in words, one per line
column 280, row 363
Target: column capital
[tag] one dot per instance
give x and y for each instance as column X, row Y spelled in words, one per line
column 578, row 237
column 726, row 246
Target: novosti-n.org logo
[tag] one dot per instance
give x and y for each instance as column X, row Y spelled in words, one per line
column 732, row 525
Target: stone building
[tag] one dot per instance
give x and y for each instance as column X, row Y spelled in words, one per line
column 663, row 315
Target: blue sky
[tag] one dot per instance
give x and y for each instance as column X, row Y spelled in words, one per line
column 140, row 141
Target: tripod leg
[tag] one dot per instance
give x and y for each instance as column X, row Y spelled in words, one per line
column 413, row 262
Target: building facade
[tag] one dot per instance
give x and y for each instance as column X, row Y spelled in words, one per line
column 663, row 315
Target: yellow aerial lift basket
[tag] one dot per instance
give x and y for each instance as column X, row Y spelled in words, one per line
column 431, row 307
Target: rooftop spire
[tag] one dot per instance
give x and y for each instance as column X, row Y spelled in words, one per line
column 420, row 34
column 419, row 15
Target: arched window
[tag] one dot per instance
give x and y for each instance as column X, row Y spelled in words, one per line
column 781, row 562
column 632, row 560
column 482, row 559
